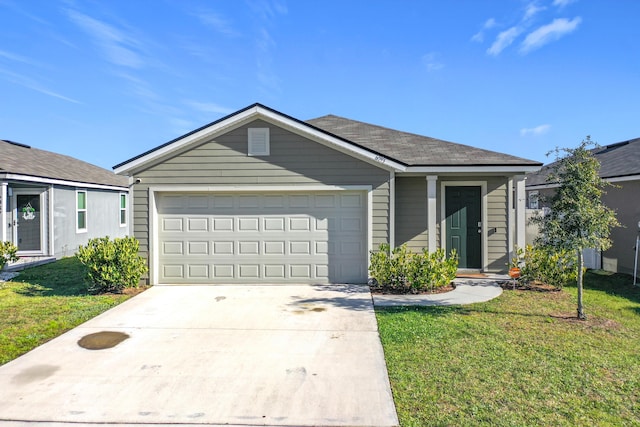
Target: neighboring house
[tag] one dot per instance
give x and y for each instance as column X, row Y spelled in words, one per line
column 619, row 165
column 261, row 197
column 51, row 203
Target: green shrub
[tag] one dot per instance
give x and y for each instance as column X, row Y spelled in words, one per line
column 7, row 253
column 402, row 271
column 112, row 265
column 544, row 265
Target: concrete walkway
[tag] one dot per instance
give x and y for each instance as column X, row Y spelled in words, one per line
column 467, row 291
column 213, row 355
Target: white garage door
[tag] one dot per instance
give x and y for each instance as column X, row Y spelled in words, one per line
column 318, row 237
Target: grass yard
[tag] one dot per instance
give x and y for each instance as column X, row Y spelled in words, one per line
column 520, row 359
column 44, row 302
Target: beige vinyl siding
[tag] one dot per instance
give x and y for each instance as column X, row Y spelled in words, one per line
column 293, row 161
column 411, row 213
column 497, row 210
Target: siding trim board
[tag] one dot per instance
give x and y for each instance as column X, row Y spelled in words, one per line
column 154, row 191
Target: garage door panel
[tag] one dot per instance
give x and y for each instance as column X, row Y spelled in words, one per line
column 263, row 238
column 248, row 224
column 299, row 224
column 248, row 248
column 197, row 224
column 273, row 224
column 198, row 271
column 274, row 247
column 172, row 248
column 223, row 247
column 223, row 271
column 249, row 271
column 274, row 271
column 198, row 248
column 172, row 224
column 223, row 224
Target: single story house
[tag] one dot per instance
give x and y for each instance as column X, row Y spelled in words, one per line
column 51, row 203
column 259, row 196
column 619, row 165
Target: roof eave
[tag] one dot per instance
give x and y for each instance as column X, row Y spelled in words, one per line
column 58, row 181
column 504, row 168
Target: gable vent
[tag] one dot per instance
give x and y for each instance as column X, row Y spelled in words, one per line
column 258, row 142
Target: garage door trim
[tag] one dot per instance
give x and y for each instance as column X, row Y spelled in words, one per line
column 154, row 262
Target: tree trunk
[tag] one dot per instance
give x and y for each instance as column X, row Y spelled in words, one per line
column 581, row 314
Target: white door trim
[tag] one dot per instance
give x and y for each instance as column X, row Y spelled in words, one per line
column 43, row 217
column 485, row 217
column 154, row 262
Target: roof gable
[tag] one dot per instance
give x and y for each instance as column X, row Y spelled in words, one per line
column 23, row 160
column 616, row 160
column 387, row 148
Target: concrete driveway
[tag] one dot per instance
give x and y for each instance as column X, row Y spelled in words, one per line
column 221, row 355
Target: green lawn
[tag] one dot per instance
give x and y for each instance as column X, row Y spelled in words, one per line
column 519, row 360
column 44, row 302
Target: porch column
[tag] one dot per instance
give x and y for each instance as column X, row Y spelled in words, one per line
column 520, row 211
column 431, row 212
column 392, row 209
column 3, row 211
column 511, row 232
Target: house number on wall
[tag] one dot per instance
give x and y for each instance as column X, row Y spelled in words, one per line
column 380, row 159
column 28, row 212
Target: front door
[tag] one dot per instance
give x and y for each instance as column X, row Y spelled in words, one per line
column 28, row 223
column 464, row 225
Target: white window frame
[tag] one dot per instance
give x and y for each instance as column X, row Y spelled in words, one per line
column 533, row 197
column 121, row 210
column 256, row 138
column 78, row 210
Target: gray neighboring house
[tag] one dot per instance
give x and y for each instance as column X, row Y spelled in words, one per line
column 262, row 197
column 619, row 165
column 51, row 203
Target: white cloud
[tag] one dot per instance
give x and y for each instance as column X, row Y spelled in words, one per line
column 503, row 40
column 208, row 107
column 538, row 130
column 548, row 33
column 119, row 47
column 532, row 10
column 432, row 62
column 218, row 23
column 562, row 3
column 479, row 36
column 32, row 84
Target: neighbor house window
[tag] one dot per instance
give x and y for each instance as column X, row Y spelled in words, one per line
column 533, row 200
column 81, row 211
column 258, row 142
column 123, row 209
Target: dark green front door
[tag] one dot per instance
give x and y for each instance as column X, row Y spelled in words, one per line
column 463, row 213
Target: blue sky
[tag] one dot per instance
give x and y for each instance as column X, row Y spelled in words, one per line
column 106, row 80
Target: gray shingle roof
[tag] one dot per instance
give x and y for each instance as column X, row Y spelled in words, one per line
column 24, row 160
column 411, row 149
column 616, row 160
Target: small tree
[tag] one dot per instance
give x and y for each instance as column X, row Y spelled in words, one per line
column 578, row 219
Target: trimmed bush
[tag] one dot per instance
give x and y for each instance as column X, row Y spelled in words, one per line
column 402, row 271
column 544, row 265
column 8, row 253
column 112, row 265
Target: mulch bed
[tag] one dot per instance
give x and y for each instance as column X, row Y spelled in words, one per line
column 381, row 291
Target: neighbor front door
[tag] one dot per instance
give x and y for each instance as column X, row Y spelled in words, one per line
column 28, row 222
column 464, row 225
